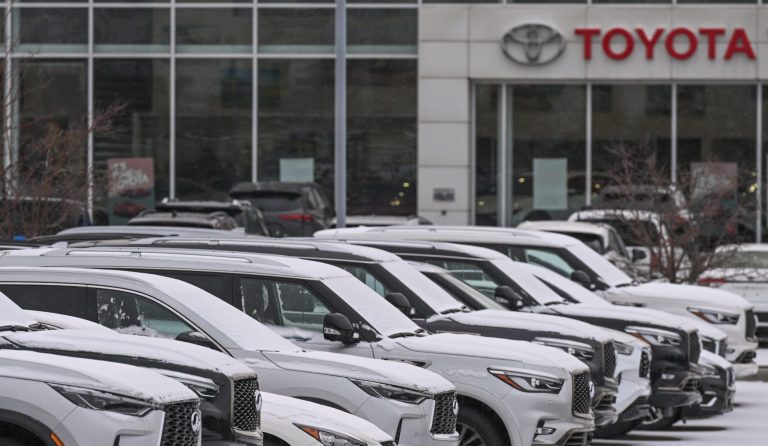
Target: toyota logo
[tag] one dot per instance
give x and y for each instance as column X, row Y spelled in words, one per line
column 257, row 395
column 455, row 407
column 533, row 44
column 195, row 422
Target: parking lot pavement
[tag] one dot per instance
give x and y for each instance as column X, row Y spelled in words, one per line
column 747, row 425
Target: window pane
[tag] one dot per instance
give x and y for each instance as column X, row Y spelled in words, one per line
column 214, row 30
column 381, row 116
column 548, row 132
column 631, row 116
column 362, row 274
column 486, row 154
column 213, row 126
column 296, row 30
column 67, row 300
column 382, row 31
column 286, row 304
column 141, row 130
column 131, row 30
column 716, row 148
column 130, row 314
column 296, row 117
column 51, row 30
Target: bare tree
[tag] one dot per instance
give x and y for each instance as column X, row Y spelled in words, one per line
column 681, row 222
column 45, row 175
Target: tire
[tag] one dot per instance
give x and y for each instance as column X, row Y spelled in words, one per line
column 662, row 423
column 476, row 429
column 616, row 429
column 271, row 440
column 6, row 441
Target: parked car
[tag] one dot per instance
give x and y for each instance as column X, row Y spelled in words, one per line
column 507, row 283
column 294, row 422
column 234, row 385
column 433, row 309
column 743, row 270
column 290, row 209
column 246, row 216
column 571, row 258
column 322, row 307
column 45, row 401
column 129, row 232
column 412, row 405
column 354, row 221
column 210, row 220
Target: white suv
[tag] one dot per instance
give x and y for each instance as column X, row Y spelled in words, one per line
column 45, row 400
column 323, row 307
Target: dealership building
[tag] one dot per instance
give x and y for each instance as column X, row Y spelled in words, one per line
column 462, row 112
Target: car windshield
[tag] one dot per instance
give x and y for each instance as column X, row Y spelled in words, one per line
column 630, row 235
column 542, row 294
column 594, row 241
column 599, row 265
column 561, row 285
column 746, row 259
column 276, row 201
column 467, row 292
column 383, row 317
column 11, row 315
column 434, row 296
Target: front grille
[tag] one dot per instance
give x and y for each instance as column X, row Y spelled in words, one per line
column 645, row 365
column 762, row 317
column 182, row 425
column 694, row 348
column 444, row 419
column 709, row 345
column 579, row 439
column 692, row 385
column 246, row 417
column 606, row 402
column 609, row 359
column 751, row 330
column 581, row 400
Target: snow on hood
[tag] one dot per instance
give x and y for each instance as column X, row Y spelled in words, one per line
column 521, row 352
column 625, row 338
column 154, row 349
column 283, row 410
column 710, row 358
column 628, row 314
column 696, row 295
column 705, row 328
column 66, row 322
column 110, row 377
column 12, row 314
column 349, row 366
column 528, row 321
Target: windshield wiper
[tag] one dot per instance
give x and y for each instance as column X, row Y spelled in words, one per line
column 404, row 334
column 454, row 310
column 14, row 328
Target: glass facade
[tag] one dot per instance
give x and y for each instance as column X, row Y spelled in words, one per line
column 216, row 92
column 550, row 132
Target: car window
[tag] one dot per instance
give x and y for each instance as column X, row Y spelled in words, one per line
column 549, row 260
column 130, row 313
column 594, row 241
column 365, row 276
column 744, row 259
column 287, row 304
column 60, row 299
column 468, row 272
column 277, row 201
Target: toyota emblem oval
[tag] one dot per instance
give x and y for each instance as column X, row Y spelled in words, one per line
column 258, row 401
column 533, row 44
column 196, row 422
column 455, row 407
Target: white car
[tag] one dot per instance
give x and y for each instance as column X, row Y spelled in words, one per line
column 319, row 305
column 294, row 422
column 150, row 305
column 744, row 271
column 571, row 258
column 46, row 400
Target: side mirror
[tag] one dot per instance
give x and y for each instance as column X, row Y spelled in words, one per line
column 582, row 279
column 337, row 328
column 399, row 301
column 638, row 255
column 508, row 297
column 197, row 338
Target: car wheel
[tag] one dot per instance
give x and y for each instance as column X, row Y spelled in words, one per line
column 657, row 421
column 616, row 429
column 475, row 429
column 7, row 441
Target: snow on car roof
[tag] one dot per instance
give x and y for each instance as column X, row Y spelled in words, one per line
column 580, row 227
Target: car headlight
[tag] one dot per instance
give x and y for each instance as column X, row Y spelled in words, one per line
column 580, row 350
column 715, row 316
column 622, row 348
column 329, row 438
column 655, row 336
column 526, row 382
column 98, row 400
column 388, row 391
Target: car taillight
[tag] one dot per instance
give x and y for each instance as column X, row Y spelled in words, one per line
column 711, row 281
column 295, row 217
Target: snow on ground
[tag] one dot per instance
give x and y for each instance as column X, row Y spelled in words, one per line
column 762, row 357
column 747, row 425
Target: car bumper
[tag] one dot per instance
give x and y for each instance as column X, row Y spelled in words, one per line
column 640, row 408
column 717, row 398
column 676, row 389
column 410, row 427
column 603, row 405
column 746, row 370
column 575, row 437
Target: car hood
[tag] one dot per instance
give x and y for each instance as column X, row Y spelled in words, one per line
column 632, row 315
column 689, row 294
column 155, row 351
column 287, row 411
column 349, row 366
column 518, row 353
column 105, row 376
column 540, row 323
